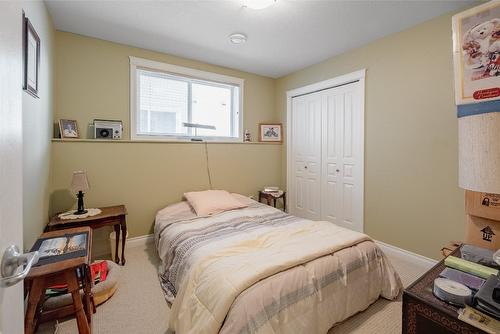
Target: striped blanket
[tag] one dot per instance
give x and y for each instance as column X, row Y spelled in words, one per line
column 248, row 270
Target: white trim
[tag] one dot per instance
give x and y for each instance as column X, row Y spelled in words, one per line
column 142, row 240
column 191, row 72
column 101, row 248
column 330, row 83
column 322, row 85
column 408, row 256
column 136, row 62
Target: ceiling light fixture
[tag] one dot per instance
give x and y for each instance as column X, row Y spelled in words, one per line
column 238, row 38
column 258, row 4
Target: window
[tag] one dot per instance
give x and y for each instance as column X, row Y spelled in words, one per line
column 171, row 102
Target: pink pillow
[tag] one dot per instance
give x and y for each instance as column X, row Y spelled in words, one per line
column 210, row 202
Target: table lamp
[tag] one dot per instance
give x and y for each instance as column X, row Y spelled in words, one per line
column 479, row 152
column 79, row 185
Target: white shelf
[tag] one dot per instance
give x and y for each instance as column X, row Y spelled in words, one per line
column 123, row 141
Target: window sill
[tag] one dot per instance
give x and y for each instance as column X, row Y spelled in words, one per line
column 122, row 141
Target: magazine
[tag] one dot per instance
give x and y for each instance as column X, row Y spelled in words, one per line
column 63, row 245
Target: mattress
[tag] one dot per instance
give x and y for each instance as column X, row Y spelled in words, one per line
column 260, row 270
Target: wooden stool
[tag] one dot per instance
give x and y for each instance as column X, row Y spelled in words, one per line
column 71, row 272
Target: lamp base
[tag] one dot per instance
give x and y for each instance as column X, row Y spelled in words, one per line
column 80, row 212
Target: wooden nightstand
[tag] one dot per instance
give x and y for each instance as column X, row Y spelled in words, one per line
column 110, row 216
column 72, row 272
column 270, row 197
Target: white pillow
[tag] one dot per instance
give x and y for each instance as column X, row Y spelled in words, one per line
column 210, row 202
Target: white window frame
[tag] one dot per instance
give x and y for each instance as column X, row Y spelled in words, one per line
column 140, row 63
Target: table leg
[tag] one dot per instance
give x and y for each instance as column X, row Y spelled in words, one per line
column 117, row 237
column 284, row 202
column 87, row 292
column 35, row 295
column 268, row 201
column 124, row 238
column 74, row 289
column 274, row 201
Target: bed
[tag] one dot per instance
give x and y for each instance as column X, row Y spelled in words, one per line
column 259, row 270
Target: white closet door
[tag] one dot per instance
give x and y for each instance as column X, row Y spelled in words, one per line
column 327, row 156
column 306, row 160
column 342, row 157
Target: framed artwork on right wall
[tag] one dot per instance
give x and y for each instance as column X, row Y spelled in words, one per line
column 476, row 54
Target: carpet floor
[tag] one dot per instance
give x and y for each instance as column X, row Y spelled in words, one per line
column 138, row 305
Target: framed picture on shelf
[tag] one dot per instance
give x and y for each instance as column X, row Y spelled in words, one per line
column 31, row 58
column 476, row 53
column 68, row 128
column 269, row 132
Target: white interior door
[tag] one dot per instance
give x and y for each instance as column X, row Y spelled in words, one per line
column 342, row 157
column 326, row 138
column 306, row 160
column 11, row 231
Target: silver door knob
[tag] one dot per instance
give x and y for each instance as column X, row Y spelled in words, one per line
column 11, row 260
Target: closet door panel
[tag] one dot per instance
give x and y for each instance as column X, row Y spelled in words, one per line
column 349, row 134
column 330, row 158
column 306, row 141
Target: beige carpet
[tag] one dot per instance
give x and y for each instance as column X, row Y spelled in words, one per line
column 138, row 305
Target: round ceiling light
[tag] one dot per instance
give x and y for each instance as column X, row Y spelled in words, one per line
column 258, row 4
column 238, row 38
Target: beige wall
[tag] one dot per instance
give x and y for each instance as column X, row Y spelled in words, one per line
column 412, row 199
column 37, row 129
column 93, row 82
column 148, row 176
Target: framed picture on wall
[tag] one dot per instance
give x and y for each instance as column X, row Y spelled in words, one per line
column 476, row 54
column 68, row 128
column 31, row 58
column 270, row 132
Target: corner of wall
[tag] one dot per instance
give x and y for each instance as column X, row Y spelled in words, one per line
column 37, row 128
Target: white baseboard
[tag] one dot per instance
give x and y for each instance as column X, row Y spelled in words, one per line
column 143, row 240
column 102, row 247
column 417, row 259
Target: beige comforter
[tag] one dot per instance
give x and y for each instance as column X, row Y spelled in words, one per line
column 260, row 270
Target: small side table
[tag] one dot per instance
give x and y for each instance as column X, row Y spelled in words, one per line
column 61, row 272
column 110, row 216
column 270, row 197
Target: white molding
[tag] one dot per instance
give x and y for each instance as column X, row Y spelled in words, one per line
column 406, row 255
column 192, row 73
column 142, row 240
column 330, row 83
column 186, row 71
column 101, row 247
column 357, row 76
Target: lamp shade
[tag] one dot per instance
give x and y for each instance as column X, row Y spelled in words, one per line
column 479, row 152
column 80, row 181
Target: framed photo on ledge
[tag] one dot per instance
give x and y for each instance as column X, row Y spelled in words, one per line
column 269, row 132
column 68, row 128
column 31, row 57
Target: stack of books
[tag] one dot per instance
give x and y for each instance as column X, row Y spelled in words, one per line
column 274, row 191
column 474, row 287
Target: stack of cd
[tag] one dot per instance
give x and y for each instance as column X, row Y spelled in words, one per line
column 452, row 292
